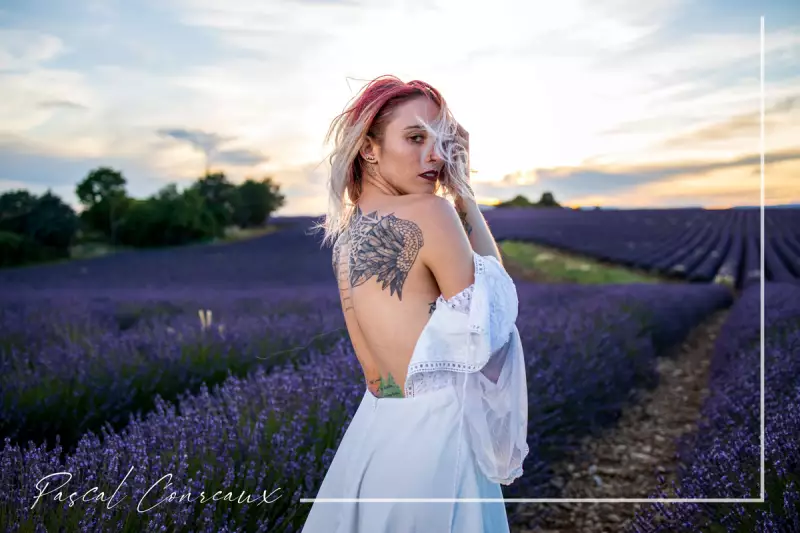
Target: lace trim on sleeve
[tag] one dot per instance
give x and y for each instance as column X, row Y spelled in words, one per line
column 461, row 301
column 426, row 382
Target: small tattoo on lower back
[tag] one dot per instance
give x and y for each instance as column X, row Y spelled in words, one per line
column 385, row 388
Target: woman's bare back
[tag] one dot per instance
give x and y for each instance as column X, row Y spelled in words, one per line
column 387, row 293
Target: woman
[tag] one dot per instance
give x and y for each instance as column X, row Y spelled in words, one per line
column 431, row 315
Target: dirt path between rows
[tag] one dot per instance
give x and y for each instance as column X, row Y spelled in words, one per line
column 626, row 460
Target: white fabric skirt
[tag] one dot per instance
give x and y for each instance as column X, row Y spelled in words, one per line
column 412, row 447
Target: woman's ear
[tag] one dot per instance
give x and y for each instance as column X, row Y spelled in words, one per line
column 368, row 150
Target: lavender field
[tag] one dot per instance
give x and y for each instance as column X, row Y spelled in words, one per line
column 228, row 368
column 722, row 459
column 694, row 244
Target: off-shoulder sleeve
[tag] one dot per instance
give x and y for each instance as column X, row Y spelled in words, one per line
column 474, row 336
column 496, row 397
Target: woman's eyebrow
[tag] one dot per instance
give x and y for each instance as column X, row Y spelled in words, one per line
column 413, row 127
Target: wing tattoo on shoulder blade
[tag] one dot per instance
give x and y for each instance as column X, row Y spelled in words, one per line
column 386, row 248
column 335, row 254
column 335, row 259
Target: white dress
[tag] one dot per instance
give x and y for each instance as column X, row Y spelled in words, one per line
column 459, row 432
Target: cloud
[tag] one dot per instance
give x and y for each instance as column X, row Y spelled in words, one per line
column 209, row 144
column 61, row 104
column 653, row 172
column 37, row 96
column 101, row 8
column 22, row 109
column 745, row 124
column 240, row 157
column 206, row 142
column 639, row 184
column 718, row 188
column 24, row 165
column 707, row 51
column 588, row 30
column 520, row 177
column 23, row 49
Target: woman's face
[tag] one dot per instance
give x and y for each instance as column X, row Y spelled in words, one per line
column 407, row 148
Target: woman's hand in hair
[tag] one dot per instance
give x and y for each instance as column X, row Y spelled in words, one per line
column 462, row 137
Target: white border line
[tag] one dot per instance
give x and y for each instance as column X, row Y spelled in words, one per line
column 531, row 500
column 763, row 271
column 624, row 500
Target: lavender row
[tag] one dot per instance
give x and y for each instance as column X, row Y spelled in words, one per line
column 723, row 459
column 291, row 256
column 70, row 363
column 267, row 437
column 695, row 244
column 589, row 352
column 585, row 348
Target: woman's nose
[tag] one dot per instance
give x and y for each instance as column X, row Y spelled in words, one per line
column 432, row 155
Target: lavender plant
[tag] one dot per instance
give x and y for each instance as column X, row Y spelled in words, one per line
column 73, row 364
column 723, row 458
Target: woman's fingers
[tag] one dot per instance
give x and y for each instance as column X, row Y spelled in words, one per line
column 462, row 132
column 462, row 136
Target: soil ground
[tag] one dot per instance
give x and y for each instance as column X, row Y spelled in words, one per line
column 626, row 460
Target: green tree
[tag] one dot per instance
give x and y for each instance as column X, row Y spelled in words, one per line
column 167, row 218
column 14, row 209
column 547, row 200
column 219, row 197
column 52, row 223
column 103, row 195
column 185, row 216
column 35, row 228
column 517, row 201
column 16, row 249
column 255, row 201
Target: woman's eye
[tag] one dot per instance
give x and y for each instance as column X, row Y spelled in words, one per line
column 417, row 137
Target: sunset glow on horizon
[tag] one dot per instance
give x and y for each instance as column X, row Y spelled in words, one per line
column 621, row 104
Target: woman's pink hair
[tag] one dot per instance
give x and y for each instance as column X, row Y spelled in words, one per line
column 368, row 116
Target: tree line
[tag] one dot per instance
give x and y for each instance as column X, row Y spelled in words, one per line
column 42, row 228
column 547, row 200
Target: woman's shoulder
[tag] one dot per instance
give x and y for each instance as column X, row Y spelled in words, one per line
column 408, row 208
column 405, row 201
column 424, row 210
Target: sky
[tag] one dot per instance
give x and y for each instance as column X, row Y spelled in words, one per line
column 619, row 103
